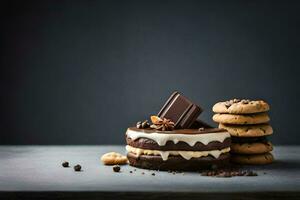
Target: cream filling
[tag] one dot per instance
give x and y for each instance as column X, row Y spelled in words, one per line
column 191, row 139
column 185, row 154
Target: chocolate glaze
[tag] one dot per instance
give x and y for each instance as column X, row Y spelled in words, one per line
column 145, row 143
column 200, row 124
column 177, row 162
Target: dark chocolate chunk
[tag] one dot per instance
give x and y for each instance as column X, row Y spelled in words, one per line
column 65, row 164
column 116, row 168
column 180, row 110
column 77, row 168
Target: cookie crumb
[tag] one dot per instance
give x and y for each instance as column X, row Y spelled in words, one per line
column 113, row 158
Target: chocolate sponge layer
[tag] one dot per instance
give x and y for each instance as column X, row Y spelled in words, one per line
column 177, row 162
column 145, row 143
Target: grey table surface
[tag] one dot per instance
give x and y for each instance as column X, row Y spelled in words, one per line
column 38, row 169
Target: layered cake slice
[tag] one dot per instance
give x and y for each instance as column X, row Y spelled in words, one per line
column 178, row 149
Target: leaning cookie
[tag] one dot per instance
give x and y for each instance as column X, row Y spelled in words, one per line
column 248, row 130
column 251, row 148
column 241, row 107
column 241, row 119
column 255, row 159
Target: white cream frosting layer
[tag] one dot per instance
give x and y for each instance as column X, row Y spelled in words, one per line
column 185, row 154
column 191, row 139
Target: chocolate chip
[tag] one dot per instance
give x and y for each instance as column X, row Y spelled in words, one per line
column 228, row 104
column 65, row 164
column 236, row 100
column 77, row 168
column 116, row 168
column 244, row 101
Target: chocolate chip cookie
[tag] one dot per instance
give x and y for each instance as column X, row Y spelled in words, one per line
column 248, row 130
column 244, row 106
column 241, row 119
column 255, row 159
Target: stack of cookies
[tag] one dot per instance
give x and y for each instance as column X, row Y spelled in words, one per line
column 247, row 123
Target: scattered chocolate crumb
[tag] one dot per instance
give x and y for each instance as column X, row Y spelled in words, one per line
column 65, row 164
column 77, row 168
column 227, row 173
column 143, row 173
column 116, row 168
column 130, row 172
column 153, row 174
column 251, row 173
column 134, row 170
column 173, row 172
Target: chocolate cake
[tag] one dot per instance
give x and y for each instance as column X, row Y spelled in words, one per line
column 179, row 149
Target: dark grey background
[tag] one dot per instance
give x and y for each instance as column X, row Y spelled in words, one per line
column 81, row 72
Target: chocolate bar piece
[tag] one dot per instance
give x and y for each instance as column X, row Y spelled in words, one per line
column 180, row 110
